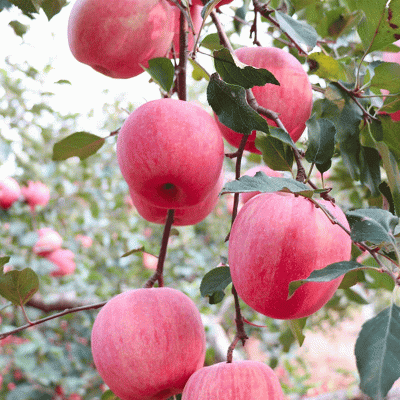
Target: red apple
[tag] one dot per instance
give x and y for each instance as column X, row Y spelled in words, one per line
column 239, row 380
column 117, row 37
column 49, row 240
column 292, row 99
column 9, row 192
column 146, row 343
column 36, row 194
column 278, row 238
column 170, row 153
column 183, row 216
column 150, row 261
column 64, row 260
column 245, row 197
column 395, row 58
column 85, row 241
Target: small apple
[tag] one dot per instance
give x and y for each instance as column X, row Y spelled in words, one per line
column 146, row 343
column 117, row 38
column 170, row 153
column 49, row 240
column 85, row 241
column 36, row 194
column 64, row 260
column 245, row 197
column 183, row 216
column 239, row 380
column 292, row 99
column 150, row 261
column 9, row 192
column 278, row 238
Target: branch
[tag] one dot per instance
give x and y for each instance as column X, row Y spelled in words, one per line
column 221, row 33
column 183, row 57
column 58, row 305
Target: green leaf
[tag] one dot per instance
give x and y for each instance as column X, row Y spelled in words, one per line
column 19, row 286
column 80, row 144
column 3, row 261
column 19, row 29
column 240, row 13
column 276, row 154
column 53, row 7
column 63, row 82
column 355, row 297
column 370, row 172
column 214, row 283
column 263, row 183
column 351, row 278
column 377, row 353
column 230, row 104
column 326, row 67
column 321, row 140
column 300, row 31
column 109, row 395
column 198, row 72
column 372, row 225
column 327, row 274
column 4, row 4
column 211, row 42
column 297, row 326
column 387, row 76
column 234, row 72
column 128, row 253
column 390, row 134
column 162, row 71
column 28, row 7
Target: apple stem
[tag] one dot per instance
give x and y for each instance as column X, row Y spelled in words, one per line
column 240, row 332
column 158, row 275
column 183, row 57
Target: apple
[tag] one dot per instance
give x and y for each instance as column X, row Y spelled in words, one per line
column 150, row 261
column 170, row 153
column 292, row 99
column 239, row 380
column 245, row 197
column 9, row 192
column 36, row 194
column 64, row 260
column 49, row 240
column 146, row 343
column 395, row 58
column 183, row 216
column 85, row 241
column 117, row 38
column 278, row 238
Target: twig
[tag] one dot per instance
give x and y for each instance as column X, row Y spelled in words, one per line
column 221, row 33
column 183, row 57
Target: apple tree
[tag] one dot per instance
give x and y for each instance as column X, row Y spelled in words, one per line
column 309, row 101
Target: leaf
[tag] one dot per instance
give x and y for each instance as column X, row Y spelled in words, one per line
column 387, row 76
column 390, row 134
column 4, row 4
column 377, row 353
column 19, row 286
column 372, row 225
column 355, row 297
column 3, row 261
column 263, row 183
column 296, row 326
column 300, row 31
column 370, row 172
column 326, row 67
column 198, row 72
column 327, row 274
column 276, row 154
column 162, row 71
column 109, row 395
column 230, row 104
column 234, row 72
column 351, row 278
column 321, row 140
column 211, row 42
column 128, row 253
column 63, row 82
column 79, row 144
column 19, row 29
column 28, row 7
column 214, row 282
column 53, row 7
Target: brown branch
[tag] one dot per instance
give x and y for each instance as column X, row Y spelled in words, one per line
column 59, row 305
column 183, row 57
column 221, row 33
column 158, row 275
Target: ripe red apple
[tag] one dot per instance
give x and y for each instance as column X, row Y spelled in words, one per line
column 239, row 380
column 85, row 241
column 245, row 197
column 170, row 153
column 64, row 260
column 292, row 99
column 36, row 194
column 9, row 192
column 183, row 216
column 395, row 58
column 117, row 37
column 278, row 238
column 49, row 240
column 146, row 343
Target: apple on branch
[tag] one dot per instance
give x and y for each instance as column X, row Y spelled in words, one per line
column 146, row 343
column 170, row 153
column 36, row 194
column 278, row 238
column 9, row 192
column 64, row 261
column 292, row 100
column 49, row 240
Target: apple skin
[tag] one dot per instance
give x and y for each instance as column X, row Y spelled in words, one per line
column 239, row 380
column 9, row 192
column 292, row 99
column 116, row 37
column 146, row 343
column 183, row 216
column 36, row 194
column 395, row 58
column 64, row 260
column 170, row 153
column 245, row 197
column 49, row 240
column 278, row 238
